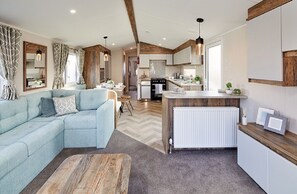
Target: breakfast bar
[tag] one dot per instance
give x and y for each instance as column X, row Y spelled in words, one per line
column 190, row 111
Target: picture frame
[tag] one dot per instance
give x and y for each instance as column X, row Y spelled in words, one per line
column 276, row 124
column 261, row 116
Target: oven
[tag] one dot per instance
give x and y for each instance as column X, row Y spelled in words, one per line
column 158, row 85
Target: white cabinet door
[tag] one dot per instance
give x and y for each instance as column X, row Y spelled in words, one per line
column 289, row 26
column 282, row 175
column 252, row 158
column 169, row 59
column 144, row 60
column 264, row 46
column 157, row 56
column 176, row 58
column 183, row 56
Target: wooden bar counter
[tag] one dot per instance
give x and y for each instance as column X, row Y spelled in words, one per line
column 191, row 99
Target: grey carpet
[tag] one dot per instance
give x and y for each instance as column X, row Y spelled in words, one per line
column 201, row 172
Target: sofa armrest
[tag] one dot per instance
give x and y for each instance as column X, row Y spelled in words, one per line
column 105, row 123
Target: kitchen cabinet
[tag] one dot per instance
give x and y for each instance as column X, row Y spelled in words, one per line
column 289, row 27
column 145, row 89
column 157, row 56
column 170, row 86
column 264, row 47
column 264, row 156
column 169, row 59
column 144, row 60
column 183, row 56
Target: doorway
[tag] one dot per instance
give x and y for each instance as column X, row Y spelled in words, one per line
column 213, row 70
column 132, row 67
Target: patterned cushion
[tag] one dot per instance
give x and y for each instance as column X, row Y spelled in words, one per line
column 65, row 105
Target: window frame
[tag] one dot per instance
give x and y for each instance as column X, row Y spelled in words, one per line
column 65, row 71
column 206, row 69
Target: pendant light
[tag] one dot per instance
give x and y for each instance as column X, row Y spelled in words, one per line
column 105, row 52
column 199, row 40
column 38, row 56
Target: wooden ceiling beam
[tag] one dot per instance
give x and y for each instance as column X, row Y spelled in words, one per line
column 130, row 11
column 146, row 48
column 184, row 45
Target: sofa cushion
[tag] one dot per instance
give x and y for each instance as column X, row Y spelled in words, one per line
column 12, row 114
column 92, row 99
column 11, row 156
column 34, row 103
column 19, row 132
column 42, row 135
column 63, row 93
column 47, row 107
column 65, row 105
column 81, row 120
column 49, row 119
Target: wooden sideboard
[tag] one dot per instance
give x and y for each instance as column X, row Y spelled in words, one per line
column 269, row 158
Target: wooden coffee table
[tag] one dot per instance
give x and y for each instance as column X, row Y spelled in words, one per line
column 90, row 173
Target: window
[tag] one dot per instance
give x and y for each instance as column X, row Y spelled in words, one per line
column 71, row 69
column 213, row 70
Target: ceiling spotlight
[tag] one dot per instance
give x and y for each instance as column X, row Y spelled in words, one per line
column 164, row 38
column 73, row 11
column 113, row 44
column 131, row 48
column 160, row 44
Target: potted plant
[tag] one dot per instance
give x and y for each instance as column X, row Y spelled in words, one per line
column 229, row 88
column 197, row 79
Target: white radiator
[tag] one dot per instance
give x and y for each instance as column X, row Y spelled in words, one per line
column 205, row 127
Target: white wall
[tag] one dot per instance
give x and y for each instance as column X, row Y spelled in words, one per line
column 117, row 66
column 281, row 99
column 29, row 37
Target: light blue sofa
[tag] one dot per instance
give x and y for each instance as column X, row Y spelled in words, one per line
column 28, row 142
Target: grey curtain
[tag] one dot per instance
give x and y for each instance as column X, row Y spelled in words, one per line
column 9, row 59
column 80, row 54
column 60, row 52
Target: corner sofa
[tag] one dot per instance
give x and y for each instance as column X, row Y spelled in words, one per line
column 28, row 142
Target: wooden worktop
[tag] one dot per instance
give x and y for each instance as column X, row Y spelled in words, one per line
column 285, row 146
column 200, row 95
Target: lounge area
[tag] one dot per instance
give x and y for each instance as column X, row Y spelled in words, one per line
column 135, row 96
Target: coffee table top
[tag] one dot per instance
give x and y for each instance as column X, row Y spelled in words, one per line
column 90, row 173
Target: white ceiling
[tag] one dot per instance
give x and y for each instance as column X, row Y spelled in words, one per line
column 173, row 19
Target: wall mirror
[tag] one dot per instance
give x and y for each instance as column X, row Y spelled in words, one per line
column 34, row 67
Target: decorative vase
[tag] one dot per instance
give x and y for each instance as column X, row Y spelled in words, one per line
column 229, row 91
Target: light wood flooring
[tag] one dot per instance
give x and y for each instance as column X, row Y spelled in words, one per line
column 145, row 125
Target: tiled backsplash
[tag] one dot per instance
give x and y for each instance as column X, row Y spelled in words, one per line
column 170, row 70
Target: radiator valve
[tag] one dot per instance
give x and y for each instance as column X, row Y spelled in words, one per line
column 170, row 145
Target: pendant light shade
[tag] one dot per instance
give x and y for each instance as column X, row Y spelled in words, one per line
column 199, row 40
column 38, row 56
column 105, row 52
